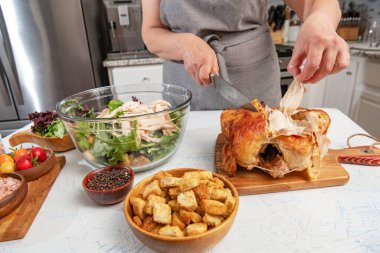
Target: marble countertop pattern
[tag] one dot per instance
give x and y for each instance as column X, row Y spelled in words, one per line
column 335, row 219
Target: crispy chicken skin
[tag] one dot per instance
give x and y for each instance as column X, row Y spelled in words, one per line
column 250, row 144
column 320, row 119
column 245, row 131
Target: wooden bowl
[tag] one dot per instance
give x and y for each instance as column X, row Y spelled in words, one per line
column 40, row 169
column 54, row 143
column 108, row 197
column 12, row 201
column 197, row 243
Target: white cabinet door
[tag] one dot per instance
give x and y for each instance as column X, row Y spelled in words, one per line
column 136, row 74
column 368, row 111
column 313, row 98
column 340, row 88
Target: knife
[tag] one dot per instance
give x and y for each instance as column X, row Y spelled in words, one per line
column 226, row 90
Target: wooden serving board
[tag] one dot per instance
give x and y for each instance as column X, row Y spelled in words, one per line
column 256, row 181
column 16, row 224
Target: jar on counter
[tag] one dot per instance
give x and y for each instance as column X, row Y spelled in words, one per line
column 374, row 34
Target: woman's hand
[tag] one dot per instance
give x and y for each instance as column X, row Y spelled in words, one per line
column 199, row 58
column 322, row 48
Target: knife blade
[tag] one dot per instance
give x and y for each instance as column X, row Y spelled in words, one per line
column 226, row 90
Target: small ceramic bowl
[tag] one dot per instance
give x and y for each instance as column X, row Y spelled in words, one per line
column 54, row 143
column 188, row 244
column 13, row 200
column 40, row 169
column 108, row 197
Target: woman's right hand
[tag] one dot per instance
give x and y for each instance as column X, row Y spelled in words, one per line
column 199, row 58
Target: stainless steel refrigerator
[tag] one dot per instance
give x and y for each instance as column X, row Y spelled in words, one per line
column 49, row 49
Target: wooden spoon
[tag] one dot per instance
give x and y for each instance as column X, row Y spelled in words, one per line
column 54, row 143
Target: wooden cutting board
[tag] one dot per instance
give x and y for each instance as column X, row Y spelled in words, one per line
column 16, row 224
column 256, row 181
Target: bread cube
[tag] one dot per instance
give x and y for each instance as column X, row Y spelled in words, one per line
column 137, row 220
column 196, row 229
column 214, row 207
column 172, row 231
column 201, row 192
column 205, row 174
column 173, row 192
column 215, row 183
column 162, row 213
column 161, row 174
column 230, row 204
column 149, row 224
column 153, row 189
column 189, row 175
column 151, row 201
column 189, row 216
column 188, row 184
column 187, row 200
column 138, row 205
column 219, row 194
column 174, row 205
column 211, row 220
column 170, row 181
column 156, row 229
column 176, row 221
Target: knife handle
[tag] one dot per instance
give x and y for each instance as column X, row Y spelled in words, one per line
column 371, row 160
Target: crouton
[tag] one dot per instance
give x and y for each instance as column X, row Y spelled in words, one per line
column 172, row 231
column 170, row 181
column 230, row 204
column 215, row 183
column 151, row 201
column 162, row 213
column 149, row 224
column 196, row 229
column 138, row 205
column 214, row 207
column 189, row 216
column 161, row 174
column 211, row 220
column 137, row 220
column 219, row 194
column 176, row 221
column 173, row 192
column 201, row 192
column 205, row 174
column 153, row 189
column 189, row 184
column 187, row 200
column 156, row 229
column 174, row 205
column 190, row 175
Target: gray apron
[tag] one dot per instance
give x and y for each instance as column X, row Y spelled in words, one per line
column 239, row 34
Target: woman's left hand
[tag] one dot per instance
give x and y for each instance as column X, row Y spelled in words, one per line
column 323, row 49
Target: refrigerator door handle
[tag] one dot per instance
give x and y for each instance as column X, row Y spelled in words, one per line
column 11, row 75
column 3, row 90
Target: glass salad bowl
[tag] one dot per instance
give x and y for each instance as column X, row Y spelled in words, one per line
column 139, row 126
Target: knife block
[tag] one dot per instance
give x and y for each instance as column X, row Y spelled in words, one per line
column 348, row 33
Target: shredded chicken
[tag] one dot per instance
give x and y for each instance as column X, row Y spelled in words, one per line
column 146, row 125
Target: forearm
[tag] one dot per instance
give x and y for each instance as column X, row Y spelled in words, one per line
column 165, row 43
column 323, row 10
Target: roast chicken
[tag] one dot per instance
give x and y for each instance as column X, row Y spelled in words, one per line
column 277, row 141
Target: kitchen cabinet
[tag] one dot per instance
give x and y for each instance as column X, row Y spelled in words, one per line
column 135, row 74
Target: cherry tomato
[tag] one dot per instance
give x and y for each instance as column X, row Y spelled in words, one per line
column 20, row 152
column 5, row 158
column 39, row 153
column 7, row 167
column 24, row 163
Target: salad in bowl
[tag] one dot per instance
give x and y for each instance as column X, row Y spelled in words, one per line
column 139, row 126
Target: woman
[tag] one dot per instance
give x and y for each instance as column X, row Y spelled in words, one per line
column 232, row 38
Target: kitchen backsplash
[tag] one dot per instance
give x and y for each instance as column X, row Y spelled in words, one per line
column 373, row 7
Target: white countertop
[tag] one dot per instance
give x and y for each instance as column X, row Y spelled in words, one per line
column 335, row 219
